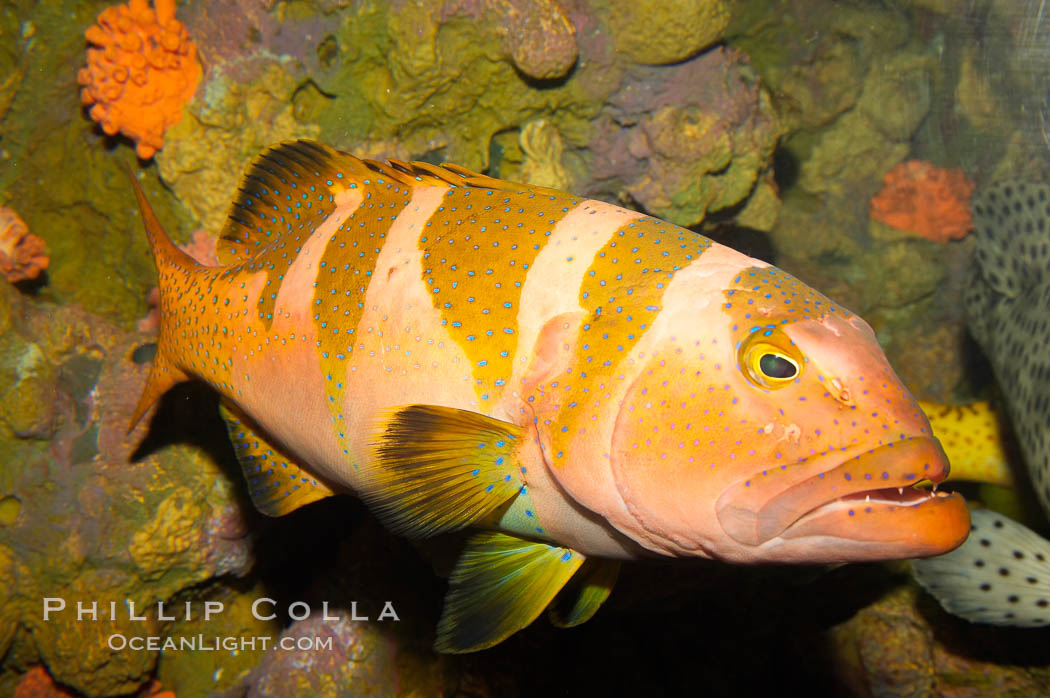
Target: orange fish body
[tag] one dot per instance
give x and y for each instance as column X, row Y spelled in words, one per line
column 579, row 382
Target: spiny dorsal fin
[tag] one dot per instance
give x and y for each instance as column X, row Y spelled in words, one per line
column 585, row 593
column 277, row 484
column 500, row 585
column 290, row 187
column 294, row 186
column 440, row 469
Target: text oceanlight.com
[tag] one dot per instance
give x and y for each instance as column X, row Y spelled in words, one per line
column 203, row 643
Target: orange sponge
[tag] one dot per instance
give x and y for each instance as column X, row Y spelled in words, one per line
column 145, row 70
column 931, row 202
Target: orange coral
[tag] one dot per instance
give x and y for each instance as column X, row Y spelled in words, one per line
column 929, row 201
column 37, row 683
column 144, row 72
column 22, row 255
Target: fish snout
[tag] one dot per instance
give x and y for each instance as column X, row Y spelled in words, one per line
column 867, row 501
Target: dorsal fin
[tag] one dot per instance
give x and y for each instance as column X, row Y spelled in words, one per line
column 286, row 188
column 294, row 185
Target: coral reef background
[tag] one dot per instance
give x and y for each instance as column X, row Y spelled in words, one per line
column 771, row 126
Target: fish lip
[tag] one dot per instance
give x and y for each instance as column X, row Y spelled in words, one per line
column 766, row 505
column 855, row 530
column 911, row 497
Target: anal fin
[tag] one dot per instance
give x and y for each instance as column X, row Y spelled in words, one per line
column 500, row 585
column 440, row 469
column 276, row 483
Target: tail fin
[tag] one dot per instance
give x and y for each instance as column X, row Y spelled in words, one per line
column 173, row 265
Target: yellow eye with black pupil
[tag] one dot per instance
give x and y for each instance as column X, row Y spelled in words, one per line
column 777, row 366
column 770, row 360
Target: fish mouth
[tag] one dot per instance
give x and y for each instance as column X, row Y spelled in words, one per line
column 866, row 498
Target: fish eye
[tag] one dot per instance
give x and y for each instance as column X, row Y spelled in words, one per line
column 770, row 359
column 777, row 366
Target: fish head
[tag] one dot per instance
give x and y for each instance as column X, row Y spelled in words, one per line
column 768, row 425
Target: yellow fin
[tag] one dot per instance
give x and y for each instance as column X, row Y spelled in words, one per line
column 588, row 590
column 500, row 585
column 276, row 483
column 973, row 440
column 440, row 469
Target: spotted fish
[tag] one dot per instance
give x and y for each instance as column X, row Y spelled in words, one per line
column 1001, row 575
column 577, row 383
column 973, row 440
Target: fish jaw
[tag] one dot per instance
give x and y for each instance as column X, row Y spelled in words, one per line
column 863, row 508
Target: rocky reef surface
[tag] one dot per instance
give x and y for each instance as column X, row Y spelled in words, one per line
column 771, row 126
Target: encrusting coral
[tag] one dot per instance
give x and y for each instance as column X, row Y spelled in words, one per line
column 22, row 255
column 926, row 200
column 145, row 70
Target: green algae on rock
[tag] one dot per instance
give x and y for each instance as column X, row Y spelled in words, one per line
column 438, row 82
column 209, row 672
column 95, row 526
column 689, row 139
column 220, row 132
column 658, row 32
column 439, row 79
column 54, row 162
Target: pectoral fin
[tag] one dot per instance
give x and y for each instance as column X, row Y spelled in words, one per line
column 587, row 591
column 440, row 469
column 276, row 483
column 500, row 585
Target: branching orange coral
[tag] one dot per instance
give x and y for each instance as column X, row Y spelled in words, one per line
column 22, row 255
column 143, row 74
column 929, row 201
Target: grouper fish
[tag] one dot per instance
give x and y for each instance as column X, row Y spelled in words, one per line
column 577, row 383
column 1001, row 575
